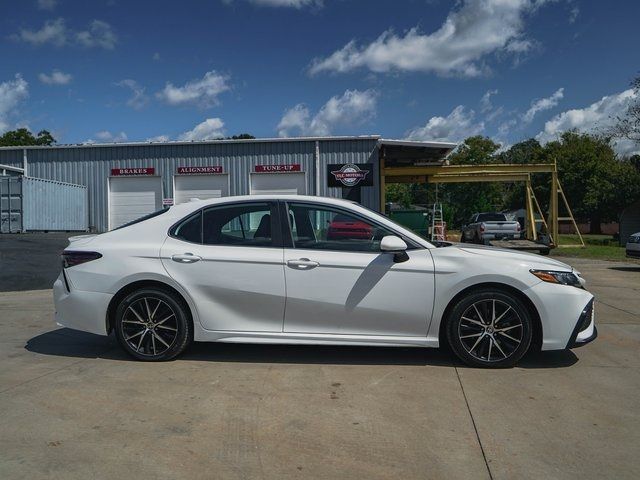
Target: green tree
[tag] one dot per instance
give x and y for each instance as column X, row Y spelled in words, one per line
column 399, row 193
column 597, row 184
column 23, row 137
column 466, row 199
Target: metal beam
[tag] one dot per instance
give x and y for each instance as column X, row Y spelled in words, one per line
column 487, row 177
column 470, row 169
column 13, row 169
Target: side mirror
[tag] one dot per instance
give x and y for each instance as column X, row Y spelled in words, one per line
column 395, row 245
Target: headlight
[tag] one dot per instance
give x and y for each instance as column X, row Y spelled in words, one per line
column 563, row 278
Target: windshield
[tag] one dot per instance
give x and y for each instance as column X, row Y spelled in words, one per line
column 142, row 219
column 492, row 217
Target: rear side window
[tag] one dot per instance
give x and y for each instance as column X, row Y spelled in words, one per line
column 189, row 230
column 248, row 225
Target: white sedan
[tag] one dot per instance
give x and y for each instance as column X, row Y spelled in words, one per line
column 310, row 270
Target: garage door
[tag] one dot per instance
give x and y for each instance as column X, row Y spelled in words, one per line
column 203, row 187
column 278, row 183
column 133, row 197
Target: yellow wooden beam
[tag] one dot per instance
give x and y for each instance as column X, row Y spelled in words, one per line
column 487, row 177
column 469, row 169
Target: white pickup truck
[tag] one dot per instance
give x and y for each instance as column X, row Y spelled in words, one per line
column 484, row 227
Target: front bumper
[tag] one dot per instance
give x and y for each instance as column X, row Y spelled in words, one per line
column 80, row 310
column 633, row 253
column 585, row 330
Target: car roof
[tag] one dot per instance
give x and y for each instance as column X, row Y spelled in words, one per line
column 196, row 203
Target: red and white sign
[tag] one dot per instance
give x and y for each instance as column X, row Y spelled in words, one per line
column 167, row 202
column 200, row 170
column 292, row 167
column 124, row 172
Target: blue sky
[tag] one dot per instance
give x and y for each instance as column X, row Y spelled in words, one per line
column 114, row 70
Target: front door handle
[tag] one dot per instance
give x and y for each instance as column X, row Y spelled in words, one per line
column 186, row 258
column 302, row 264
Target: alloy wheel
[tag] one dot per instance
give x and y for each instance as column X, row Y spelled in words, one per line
column 149, row 326
column 490, row 330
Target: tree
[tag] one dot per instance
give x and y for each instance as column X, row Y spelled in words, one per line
column 23, row 137
column 597, row 184
column 468, row 198
column 627, row 126
column 242, row 136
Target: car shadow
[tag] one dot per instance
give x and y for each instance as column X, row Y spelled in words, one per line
column 65, row 342
column 626, row 268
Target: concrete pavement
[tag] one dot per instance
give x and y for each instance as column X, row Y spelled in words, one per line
column 72, row 405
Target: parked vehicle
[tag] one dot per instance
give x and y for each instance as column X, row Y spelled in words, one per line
column 633, row 246
column 345, row 228
column 483, row 227
column 263, row 269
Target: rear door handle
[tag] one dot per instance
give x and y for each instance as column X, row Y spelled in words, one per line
column 302, row 264
column 186, row 258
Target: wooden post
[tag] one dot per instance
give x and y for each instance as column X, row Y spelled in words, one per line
column 532, row 234
column 553, row 207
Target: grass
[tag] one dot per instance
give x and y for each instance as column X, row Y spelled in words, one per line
column 597, row 247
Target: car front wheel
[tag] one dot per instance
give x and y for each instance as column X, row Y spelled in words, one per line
column 489, row 328
column 153, row 325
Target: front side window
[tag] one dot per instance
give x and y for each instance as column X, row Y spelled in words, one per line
column 325, row 228
column 247, row 224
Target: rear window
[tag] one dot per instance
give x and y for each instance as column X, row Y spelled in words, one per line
column 492, row 217
column 142, row 219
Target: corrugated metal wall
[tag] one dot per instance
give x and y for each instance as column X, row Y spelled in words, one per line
column 10, row 204
column 91, row 166
column 52, row 205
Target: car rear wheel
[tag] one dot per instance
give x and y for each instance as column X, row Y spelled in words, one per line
column 489, row 328
column 153, row 325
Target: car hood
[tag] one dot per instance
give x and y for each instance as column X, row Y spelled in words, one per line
column 531, row 259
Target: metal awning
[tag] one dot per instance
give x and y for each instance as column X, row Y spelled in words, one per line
column 406, row 153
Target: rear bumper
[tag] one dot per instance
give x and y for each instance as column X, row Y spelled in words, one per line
column 80, row 310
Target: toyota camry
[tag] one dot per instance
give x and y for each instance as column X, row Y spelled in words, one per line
column 270, row 269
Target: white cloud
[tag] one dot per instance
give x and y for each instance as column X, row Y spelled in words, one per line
column 12, row 92
column 542, row 104
column 485, row 101
column 455, row 127
column 138, row 98
column 285, row 3
column 595, row 118
column 210, row 129
column 56, row 77
column 156, row 57
column 159, row 138
column 98, row 34
column 573, row 14
column 352, row 108
column 203, row 92
column 459, row 47
column 47, row 4
column 107, row 136
column 53, row 31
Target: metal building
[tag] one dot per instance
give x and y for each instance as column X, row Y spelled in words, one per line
column 127, row 180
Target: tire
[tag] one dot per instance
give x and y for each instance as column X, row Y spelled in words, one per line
column 153, row 325
column 497, row 343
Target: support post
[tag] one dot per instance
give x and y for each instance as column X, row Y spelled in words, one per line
column 553, row 207
column 383, row 186
column 25, row 165
column 532, row 234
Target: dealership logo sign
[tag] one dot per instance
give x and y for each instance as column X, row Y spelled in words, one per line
column 350, row 174
column 199, row 170
column 124, row 172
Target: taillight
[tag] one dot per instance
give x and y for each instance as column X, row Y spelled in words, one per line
column 71, row 259
column 518, row 227
column 482, row 227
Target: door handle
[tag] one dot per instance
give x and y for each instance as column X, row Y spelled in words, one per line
column 302, row 264
column 186, row 258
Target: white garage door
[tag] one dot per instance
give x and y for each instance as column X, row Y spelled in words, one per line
column 133, row 197
column 203, row 187
column 278, row 183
